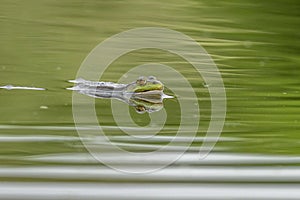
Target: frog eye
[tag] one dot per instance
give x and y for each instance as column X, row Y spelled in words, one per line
column 151, row 78
column 156, row 82
column 141, row 80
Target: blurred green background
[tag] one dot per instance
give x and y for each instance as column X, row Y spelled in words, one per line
column 255, row 45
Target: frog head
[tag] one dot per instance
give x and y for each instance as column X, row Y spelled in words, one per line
column 143, row 84
column 146, row 94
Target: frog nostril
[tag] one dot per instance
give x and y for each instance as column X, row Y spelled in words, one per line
column 156, row 82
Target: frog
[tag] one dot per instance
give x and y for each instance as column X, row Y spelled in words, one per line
column 145, row 94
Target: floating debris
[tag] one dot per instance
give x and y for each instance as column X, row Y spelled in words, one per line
column 11, row 87
column 44, row 107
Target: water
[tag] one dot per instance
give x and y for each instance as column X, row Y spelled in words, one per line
column 256, row 48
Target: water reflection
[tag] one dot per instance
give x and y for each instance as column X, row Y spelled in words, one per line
column 137, row 191
column 145, row 94
column 177, row 174
column 211, row 179
column 188, row 159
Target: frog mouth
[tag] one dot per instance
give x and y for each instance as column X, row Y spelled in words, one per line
column 148, row 88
